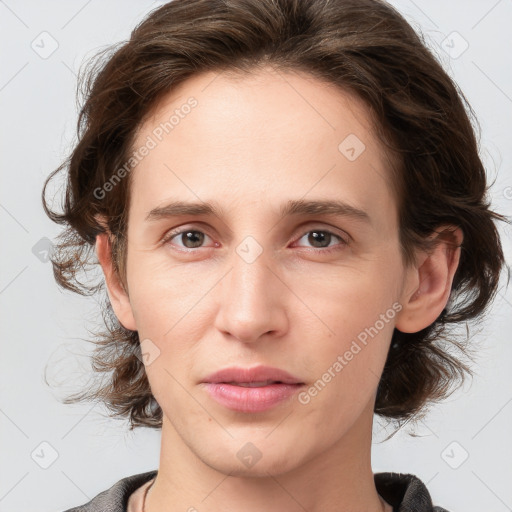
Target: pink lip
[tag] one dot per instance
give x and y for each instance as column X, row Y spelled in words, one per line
column 255, row 374
column 251, row 399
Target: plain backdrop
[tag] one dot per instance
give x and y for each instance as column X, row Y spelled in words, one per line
column 56, row 456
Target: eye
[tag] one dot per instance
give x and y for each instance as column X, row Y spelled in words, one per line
column 190, row 238
column 321, row 239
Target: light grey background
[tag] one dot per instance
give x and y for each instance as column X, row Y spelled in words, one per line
column 40, row 324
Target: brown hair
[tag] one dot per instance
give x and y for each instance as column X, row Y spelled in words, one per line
column 363, row 46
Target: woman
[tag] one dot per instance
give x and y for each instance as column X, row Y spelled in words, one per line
column 289, row 209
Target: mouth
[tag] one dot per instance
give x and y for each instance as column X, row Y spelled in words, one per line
column 252, row 390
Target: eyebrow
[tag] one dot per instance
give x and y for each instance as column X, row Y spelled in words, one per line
column 290, row 208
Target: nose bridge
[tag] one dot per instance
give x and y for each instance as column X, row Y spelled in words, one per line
column 248, row 307
column 250, row 274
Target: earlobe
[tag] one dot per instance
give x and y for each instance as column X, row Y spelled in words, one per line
column 116, row 292
column 429, row 284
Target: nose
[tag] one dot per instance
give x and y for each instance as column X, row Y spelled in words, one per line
column 252, row 301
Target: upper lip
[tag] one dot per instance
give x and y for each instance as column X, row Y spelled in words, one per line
column 254, row 374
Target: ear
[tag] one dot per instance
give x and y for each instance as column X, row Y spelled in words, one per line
column 428, row 284
column 116, row 293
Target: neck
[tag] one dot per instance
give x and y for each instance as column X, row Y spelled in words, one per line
column 338, row 479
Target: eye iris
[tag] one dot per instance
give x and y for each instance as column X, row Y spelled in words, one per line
column 192, row 236
column 318, row 236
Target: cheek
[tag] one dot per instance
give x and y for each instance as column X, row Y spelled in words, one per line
column 162, row 294
column 169, row 310
column 344, row 302
column 351, row 329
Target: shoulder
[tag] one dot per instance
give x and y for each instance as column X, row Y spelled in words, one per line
column 406, row 492
column 116, row 497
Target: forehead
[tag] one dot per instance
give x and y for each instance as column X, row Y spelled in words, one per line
column 244, row 138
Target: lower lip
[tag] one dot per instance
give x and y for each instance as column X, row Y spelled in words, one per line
column 242, row 399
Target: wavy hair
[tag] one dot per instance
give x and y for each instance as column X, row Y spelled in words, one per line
column 362, row 46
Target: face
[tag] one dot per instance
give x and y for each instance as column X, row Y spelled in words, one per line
column 314, row 292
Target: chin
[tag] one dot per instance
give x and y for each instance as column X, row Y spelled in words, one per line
column 248, row 459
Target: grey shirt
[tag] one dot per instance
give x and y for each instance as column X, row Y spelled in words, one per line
column 405, row 492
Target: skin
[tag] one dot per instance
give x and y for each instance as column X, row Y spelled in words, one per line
column 252, row 143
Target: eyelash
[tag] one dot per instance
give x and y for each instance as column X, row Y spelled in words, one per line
column 343, row 242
